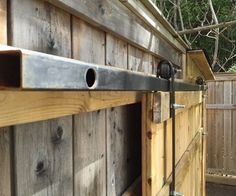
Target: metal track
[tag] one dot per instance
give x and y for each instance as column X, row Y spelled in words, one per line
column 29, row 70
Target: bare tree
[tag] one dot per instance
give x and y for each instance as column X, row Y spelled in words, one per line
column 206, row 26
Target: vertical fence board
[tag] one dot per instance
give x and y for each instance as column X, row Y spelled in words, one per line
column 5, row 163
column 139, row 60
column 227, row 157
column 219, row 115
column 211, row 151
column 89, row 137
column 233, row 119
column 42, row 161
column 221, row 153
column 3, row 21
column 123, row 135
column 5, row 136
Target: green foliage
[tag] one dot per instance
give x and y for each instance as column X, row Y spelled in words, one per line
column 197, row 13
column 233, row 69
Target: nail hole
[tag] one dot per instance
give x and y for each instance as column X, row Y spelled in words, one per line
column 90, row 77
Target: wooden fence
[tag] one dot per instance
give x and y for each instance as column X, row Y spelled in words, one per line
column 221, row 125
column 89, row 143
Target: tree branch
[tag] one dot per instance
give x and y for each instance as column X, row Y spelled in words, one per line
column 209, row 27
column 215, row 19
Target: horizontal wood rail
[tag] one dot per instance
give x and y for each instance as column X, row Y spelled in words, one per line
column 112, row 16
column 221, row 106
column 18, row 107
column 138, row 9
column 226, row 180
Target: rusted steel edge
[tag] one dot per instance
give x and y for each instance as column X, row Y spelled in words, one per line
column 28, row 70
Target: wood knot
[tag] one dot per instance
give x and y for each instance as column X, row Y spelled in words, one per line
column 149, row 135
column 102, row 9
column 149, row 181
column 57, row 137
column 40, row 168
column 51, row 43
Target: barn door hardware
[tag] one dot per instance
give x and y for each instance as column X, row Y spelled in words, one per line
column 177, row 106
column 167, row 71
column 28, row 70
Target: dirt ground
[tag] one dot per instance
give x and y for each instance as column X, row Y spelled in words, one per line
column 220, row 190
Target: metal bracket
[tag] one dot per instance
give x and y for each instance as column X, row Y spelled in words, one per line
column 174, row 193
column 177, row 106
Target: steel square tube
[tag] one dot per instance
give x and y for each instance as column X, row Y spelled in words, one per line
column 28, row 70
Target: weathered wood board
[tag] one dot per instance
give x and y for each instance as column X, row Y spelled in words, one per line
column 96, row 152
column 123, row 130
column 221, row 158
column 3, row 21
column 5, row 163
column 89, row 129
column 5, row 133
column 45, row 169
column 113, row 17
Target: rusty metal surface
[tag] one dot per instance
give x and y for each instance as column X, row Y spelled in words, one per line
column 39, row 71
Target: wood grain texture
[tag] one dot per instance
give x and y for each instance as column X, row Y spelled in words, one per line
column 204, row 145
column 43, row 150
column 200, row 60
column 139, row 60
column 182, row 168
column 43, row 158
column 90, row 130
column 3, row 21
column 161, row 107
column 211, row 126
column 152, row 22
column 5, row 133
column 153, row 152
column 5, row 163
column 226, row 180
column 89, row 154
column 115, row 18
column 233, row 117
column 151, row 6
column 227, row 106
column 225, row 76
column 228, row 131
column 17, row 107
column 123, row 148
column 135, row 189
column 219, row 131
column 123, row 130
column 161, row 104
column 221, row 127
column 157, row 151
column 46, row 27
